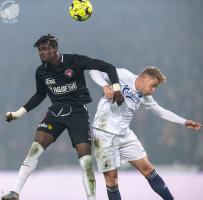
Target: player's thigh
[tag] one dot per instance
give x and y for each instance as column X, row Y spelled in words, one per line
column 43, row 138
column 79, row 129
column 107, row 156
column 48, row 131
column 143, row 165
column 130, row 147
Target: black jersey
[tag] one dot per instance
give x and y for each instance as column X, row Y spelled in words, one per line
column 65, row 83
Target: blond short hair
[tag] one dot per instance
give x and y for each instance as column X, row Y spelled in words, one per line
column 154, row 72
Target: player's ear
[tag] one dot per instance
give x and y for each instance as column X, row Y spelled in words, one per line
column 143, row 77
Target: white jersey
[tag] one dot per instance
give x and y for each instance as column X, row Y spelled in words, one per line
column 113, row 119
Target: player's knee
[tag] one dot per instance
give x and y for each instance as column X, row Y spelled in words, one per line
column 111, row 178
column 83, row 150
column 147, row 169
column 86, row 162
column 32, row 158
column 86, row 165
column 44, row 139
column 35, row 149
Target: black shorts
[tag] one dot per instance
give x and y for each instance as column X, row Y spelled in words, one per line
column 73, row 118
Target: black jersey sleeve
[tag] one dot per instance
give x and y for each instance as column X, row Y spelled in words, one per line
column 39, row 96
column 90, row 63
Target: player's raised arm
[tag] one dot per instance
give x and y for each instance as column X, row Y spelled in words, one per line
column 102, row 80
column 96, row 64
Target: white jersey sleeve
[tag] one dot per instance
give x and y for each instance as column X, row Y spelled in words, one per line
column 151, row 104
column 101, row 78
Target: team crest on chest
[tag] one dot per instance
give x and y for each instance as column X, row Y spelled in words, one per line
column 69, row 73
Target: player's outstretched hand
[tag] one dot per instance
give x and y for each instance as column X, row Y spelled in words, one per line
column 9, row 117
column 193, row 125
column 118, row 97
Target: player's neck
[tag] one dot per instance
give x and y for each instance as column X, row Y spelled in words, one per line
column 137, row 84
column 56, row 60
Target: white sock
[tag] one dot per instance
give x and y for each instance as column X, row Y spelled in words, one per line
column 28, row 166
column 88, row 177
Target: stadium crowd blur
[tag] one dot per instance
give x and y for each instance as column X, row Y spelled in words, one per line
column 168, row 34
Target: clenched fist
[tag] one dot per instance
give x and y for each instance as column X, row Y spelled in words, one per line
column 9, row 117
column 15, row 115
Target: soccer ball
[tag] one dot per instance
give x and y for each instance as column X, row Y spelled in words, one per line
column 80, row 10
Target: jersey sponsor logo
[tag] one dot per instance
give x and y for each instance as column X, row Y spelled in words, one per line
column 48, row 126
column 69, row 73
column 50, row 81
column 64, row 88
column 129, row 93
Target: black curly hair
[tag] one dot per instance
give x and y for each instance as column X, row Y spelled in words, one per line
column 50, row 39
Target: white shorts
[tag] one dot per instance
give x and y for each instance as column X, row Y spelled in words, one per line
column 110, row 149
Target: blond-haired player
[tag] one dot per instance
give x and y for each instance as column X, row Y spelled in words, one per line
column 114, row 141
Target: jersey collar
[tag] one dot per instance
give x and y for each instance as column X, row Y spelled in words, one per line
column 61, row 55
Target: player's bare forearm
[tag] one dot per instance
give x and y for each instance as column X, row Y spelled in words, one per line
column 193, row 125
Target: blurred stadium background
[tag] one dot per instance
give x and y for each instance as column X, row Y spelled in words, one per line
column 131, row 34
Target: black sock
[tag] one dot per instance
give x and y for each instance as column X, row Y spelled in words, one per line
column 113, row 193
column 159, row 186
